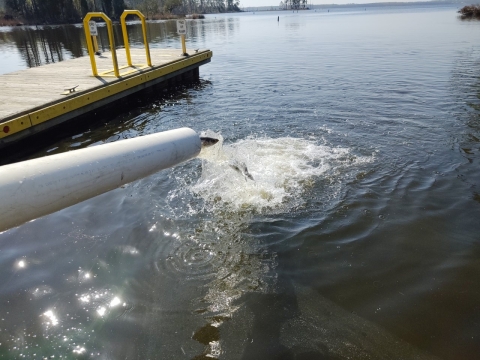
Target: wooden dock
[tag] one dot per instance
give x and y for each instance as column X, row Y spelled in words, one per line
column 36, row 99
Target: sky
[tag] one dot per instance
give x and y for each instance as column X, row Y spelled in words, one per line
column 252, row 3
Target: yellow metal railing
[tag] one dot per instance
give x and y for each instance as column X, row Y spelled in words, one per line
column 125, row 37
column 111, row 40
column 93, row 47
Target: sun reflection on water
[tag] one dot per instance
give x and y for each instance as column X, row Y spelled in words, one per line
column 52, row 317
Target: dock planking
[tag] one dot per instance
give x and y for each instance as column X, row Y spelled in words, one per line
column 34, row 99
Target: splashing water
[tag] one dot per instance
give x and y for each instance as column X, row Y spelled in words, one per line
column 283, row 169
column 216, row 250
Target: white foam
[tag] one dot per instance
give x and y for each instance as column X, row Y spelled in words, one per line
column 283, row 169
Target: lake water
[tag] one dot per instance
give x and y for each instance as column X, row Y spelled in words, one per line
column 358, row 238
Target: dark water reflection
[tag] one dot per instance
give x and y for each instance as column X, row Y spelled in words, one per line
column 41, row 45
column 358, row 239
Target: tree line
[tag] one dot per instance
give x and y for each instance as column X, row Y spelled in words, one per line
column 182, row 7
column 72, row 11
column 470, row 11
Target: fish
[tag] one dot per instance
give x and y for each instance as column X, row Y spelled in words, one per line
column 208, row 141
column 241, row 168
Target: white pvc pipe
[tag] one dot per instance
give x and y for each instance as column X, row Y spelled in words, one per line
column 38, row 187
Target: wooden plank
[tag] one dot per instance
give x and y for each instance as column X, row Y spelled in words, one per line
column 45, row 117
column 27, row 90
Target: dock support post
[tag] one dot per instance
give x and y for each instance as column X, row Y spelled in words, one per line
column 95, row 44
column 184, row 46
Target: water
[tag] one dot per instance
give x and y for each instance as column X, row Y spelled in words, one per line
column 357, row 238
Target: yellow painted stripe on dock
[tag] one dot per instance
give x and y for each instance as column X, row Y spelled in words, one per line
column 13, row 126
column 77, row 102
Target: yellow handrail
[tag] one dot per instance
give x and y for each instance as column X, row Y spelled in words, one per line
column 111, row 40
column 125, row 35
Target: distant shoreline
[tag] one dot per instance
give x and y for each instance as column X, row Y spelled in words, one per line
column 354, row 5
column 9, row 21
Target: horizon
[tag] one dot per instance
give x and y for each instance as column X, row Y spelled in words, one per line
column 270, row 3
